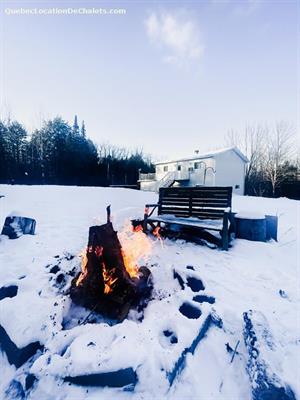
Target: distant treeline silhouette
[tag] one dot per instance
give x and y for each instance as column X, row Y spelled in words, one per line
column 61, row 154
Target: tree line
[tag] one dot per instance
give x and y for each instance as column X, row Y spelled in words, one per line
column 274, row 164
column 62, row 154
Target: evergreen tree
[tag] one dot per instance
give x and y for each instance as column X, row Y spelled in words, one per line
column 49, row 149
column 3, row 151
column 75, row 126
column 15, row 144
column 83, row 130
column 58, row 153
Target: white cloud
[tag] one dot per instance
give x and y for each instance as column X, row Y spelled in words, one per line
column 178, row 35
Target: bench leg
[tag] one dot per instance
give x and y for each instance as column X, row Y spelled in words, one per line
column 145, row 223
column 148, row 226
column 225, row 235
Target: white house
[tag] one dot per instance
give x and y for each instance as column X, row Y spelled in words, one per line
column 225, row 167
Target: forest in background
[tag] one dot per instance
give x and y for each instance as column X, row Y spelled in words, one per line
column 61, row 154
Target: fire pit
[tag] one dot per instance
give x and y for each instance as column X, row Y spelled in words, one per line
column 107, row 283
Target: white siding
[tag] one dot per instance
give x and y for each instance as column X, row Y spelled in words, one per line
column 196, row 175
column 230, row 171
column 222, row 169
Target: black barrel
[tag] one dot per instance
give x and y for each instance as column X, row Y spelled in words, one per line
column 251, row 228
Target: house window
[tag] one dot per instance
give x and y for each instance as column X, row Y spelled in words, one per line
column 191, row 169
column 237, row 186
column 178, row 167
column 165, row 168
column 197, row 165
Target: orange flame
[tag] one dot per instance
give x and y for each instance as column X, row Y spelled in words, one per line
column 108, row 280
column 137, row 228
column 84, row 261
column 156, row 232
column 136, row 248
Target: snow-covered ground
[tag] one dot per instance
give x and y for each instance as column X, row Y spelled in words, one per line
column 249, row 276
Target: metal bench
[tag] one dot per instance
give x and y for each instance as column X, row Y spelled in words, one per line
column 192, row 209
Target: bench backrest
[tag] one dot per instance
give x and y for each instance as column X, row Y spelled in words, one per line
column 205, row 202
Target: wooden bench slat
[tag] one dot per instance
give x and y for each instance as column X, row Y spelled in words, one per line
column 220, row 211
column 200, row 200
column 207, row 216
column 196, row 190
column 174, row 210
column 201, row 214
column 195, row 198
column 209, row 197
column 204, row 212
column 196, row 205
column 175, row 201
column 204, row 224
column 181, row 205
column 164, row 197
column 212, row 203
column 197, row 193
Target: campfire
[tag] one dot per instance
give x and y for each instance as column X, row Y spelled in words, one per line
column 110, row 281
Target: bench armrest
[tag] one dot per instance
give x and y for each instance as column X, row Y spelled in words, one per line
column 147, row 206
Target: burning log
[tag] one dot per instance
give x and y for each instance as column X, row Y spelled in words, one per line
column 104, row 284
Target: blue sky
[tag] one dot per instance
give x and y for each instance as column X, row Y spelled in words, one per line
column 167, row 76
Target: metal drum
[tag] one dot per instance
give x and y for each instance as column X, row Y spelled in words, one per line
column 251, row 227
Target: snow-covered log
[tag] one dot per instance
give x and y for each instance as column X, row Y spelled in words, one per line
column 266, row 385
